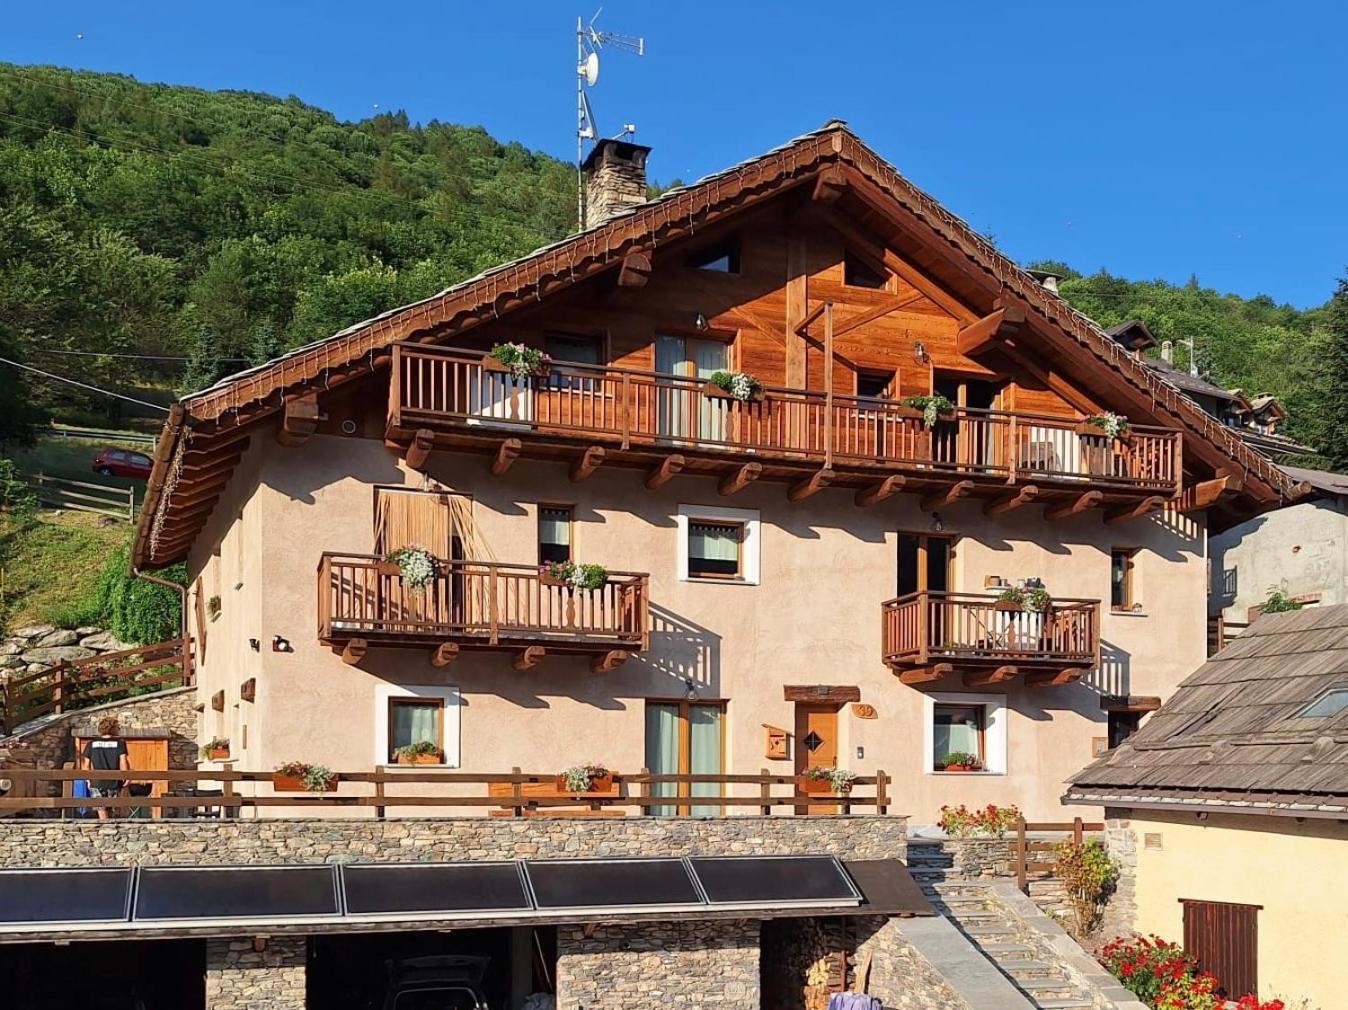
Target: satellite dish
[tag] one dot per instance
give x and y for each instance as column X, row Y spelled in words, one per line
column 589, row 70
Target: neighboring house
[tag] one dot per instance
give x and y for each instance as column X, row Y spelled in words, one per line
column 1234, row 798
column 1300, row 550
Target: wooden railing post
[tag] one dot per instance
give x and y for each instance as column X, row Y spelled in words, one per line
column 395, row 393
column 881, row 793
column 765, row 792
column 828, row 386
column 227, row 808
column 58, row 687
column 624, row 410
column 644, row 790
column 1021, row 872
column 517, row 791
column 923, row 626
column 380, row 774
column 1013, row 437
column 493, row 618
column 1076, row 832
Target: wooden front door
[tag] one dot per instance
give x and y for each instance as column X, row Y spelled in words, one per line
column 149, row 754
column 816, row 745
column 1224, row 937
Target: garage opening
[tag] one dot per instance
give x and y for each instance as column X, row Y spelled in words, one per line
column 105, row 975
column 428, row 970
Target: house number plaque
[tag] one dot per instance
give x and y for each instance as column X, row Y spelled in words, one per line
column 863, row 711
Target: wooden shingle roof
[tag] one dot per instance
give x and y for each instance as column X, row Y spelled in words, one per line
column 1234, row 735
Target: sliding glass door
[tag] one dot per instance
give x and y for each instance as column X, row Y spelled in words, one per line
column 685, row 738
column 683, row 411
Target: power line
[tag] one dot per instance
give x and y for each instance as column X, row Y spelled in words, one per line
column 83, row 385
column 136, row 357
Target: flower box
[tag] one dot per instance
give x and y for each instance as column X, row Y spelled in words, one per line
column 295, row 784
column 1088, row 430
column 551, row 580
column 1008, row 606
column 809, row 785
column 217, row 753
column 960, row 768
column 490, row 364
column 387, row 568
column 418, row 759
column 598, row 784
column 715, row 392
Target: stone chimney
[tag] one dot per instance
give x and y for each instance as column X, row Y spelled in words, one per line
column 615, row 179
column 1047, row 279
column 1168, row 352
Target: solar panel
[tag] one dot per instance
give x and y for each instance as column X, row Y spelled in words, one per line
column 611, row 883
column 775, row 881
column 236, row 892
column 33, row 897
column 396, row 889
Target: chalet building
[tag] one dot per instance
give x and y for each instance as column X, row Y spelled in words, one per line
column 808, row 577
column 1230, row 807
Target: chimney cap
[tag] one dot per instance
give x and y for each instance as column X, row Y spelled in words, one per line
column 611, row 149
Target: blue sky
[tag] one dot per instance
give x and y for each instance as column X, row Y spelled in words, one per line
column 1155, row 139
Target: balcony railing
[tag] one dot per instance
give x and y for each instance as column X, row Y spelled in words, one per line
column 438, row 387
column 936, row 627
column 477, row 602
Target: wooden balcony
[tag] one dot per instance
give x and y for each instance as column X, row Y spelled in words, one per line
column 592, row 414
column 930, row 635
column 482, row 605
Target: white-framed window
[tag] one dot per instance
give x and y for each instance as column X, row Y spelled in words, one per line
column 405, row 713
column 967, row 723
column 718, row 544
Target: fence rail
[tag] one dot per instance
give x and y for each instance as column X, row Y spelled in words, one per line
column 80, row 683
column 631, row 407
column 512, row 793
column 1024, row 849
column 95, row 435
column 61, row 493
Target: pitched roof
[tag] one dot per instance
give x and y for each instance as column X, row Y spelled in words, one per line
column 1193, row 384
column 1323, row 481
column 1233, row 736
column 364, row 347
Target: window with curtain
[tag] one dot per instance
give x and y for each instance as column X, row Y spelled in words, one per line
column 554, row 533
column 1121, row 579
column 685, row 738
column 957, row 729
column 584, row 350
column 414, row 720
column 714, row 549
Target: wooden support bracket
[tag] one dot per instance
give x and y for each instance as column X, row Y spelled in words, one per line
column 828, row 186
column 879, row 491
column 248, row 689
column 940, row 499
column 505, row 456
column 736, row 482
column 989, row 678
column 1209, row 492
column 661, row 473
column 1137, row 511
column 590, row 461
column 299, row 420
column 420, row 449
column 444, row 654
column 1000, row 326
column 607, row 662
column 635, row 271
column 926, row 674
column 1007, row 503
column 1080, row 503
column 1055, row 679
column 529, row 657
column 354, row 651
column 218, row 701
column 811, row 485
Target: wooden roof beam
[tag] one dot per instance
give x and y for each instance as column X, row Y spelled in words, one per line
column 506, row 454
column 299, row 420
column 354, row 651
column 811, row 485
column 420, row 449
column 994, row 330
column 1055, row 678
column 1207, row 493
column 635, row 270
column 925, row 674
column 1135, row 511
column 529, row 657
column 990, row 678
column 736, row 482
column 938, row 500
column 875, row 312
column 664, row 471
column 444, row 654
column 1080, row 503
column 1008, row 503
column 879, row 491
column 607, row 662
column 829, row 186
column 590, row 461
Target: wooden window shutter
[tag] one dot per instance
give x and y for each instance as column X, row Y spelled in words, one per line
column 1225, row 939
column 200, row 608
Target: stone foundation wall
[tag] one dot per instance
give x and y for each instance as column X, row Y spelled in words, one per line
column 25, row 842
column 638, row 966
column 1120, row 915
column 241, row 977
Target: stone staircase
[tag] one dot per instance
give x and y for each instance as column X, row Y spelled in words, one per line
column 1017, row 952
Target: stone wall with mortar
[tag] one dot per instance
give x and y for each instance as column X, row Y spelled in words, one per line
column 241, row 977
column 51, row 842
column 1120, row 914
column 640, row 965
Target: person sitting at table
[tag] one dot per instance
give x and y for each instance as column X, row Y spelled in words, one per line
column 107, row 753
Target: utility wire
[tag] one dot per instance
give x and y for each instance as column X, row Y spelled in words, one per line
column 137, row 357
column 83, row 385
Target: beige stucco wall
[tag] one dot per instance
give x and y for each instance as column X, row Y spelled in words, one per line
column 815, row 618
column 1293, row 870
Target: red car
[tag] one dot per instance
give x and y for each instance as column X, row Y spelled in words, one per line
column 122, row 463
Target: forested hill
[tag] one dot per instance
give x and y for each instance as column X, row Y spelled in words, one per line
column 151, row 219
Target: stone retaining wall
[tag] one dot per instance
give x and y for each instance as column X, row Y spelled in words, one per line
column 25, row 842
column 239, row 976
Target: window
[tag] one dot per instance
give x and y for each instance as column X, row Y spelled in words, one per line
column 721, row 258
column 1121, row 590
column 966, row 723
column 582, row 349
column 554, row 533
column 408, row 714
column 1122, row 725
column 718, row 544
column 875, row 385
column 858, row 273
column 685, row 738
column 1329, row 704
column 681, row 413
column 925, row 563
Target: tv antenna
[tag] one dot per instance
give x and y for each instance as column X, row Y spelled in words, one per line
column 590, row 41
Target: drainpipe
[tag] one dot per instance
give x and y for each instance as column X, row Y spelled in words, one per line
column 188, row 667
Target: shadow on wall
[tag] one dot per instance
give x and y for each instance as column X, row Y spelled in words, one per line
column 682, row 650
column 1113, row 675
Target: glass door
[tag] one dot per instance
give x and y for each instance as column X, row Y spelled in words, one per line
column 682, row 410
column 685, row 738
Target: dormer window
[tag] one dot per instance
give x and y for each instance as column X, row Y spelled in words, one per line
column 721, row 258
column 858, row 273
column 1328, row 705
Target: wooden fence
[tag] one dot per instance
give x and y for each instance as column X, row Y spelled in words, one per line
column 97, row 680
column 227, row 791
column 104, row 499
column 1024, row 850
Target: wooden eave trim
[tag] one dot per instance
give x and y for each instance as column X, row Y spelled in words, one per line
column 825, row 694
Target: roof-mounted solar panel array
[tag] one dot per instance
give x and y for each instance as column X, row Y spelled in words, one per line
column 154, row 897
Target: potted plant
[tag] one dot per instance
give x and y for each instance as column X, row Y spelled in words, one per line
column 929, row 408
column 734, row 386
column 573, row 576
column 1104, row 425
column 957, row 822
column 416, row 565
column 213, row 607
column 519, row 360
column 423, row 752
column 826, row 780
column 587, row 778
column 215, row 749
column 1027, row 595
column 959, row 761
column 301, row 777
